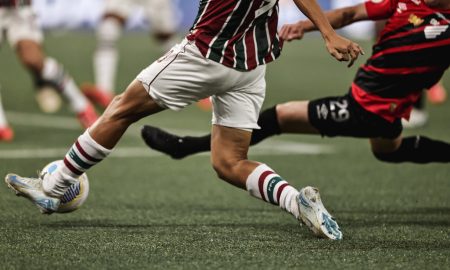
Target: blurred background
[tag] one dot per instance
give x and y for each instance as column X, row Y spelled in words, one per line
column 85, row 14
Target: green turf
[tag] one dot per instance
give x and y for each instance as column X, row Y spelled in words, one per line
column 152, row 212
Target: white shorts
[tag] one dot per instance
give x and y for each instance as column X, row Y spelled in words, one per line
column 184, row 76
column 19, row 24
column 160, row 13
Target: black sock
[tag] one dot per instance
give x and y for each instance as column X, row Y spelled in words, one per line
column 418, row 149
column 269, row 126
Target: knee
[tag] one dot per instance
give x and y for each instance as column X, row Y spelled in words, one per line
column 224, row 167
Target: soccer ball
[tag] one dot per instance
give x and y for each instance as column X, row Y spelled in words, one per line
column 77, row 193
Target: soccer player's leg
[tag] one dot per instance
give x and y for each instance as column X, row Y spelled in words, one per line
column 94, row 145
column 47, row 72
column 6, row 132
column 235, row 114
column 229, row 159
column 416, row 149
column 105, row 59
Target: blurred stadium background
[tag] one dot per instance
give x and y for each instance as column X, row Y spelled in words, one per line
column 148, row 211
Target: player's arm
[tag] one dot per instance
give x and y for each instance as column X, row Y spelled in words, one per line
column 340, row 48
column 338, row 18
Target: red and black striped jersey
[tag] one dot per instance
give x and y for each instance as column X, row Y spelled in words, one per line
column 240, row 34
column 411, row 55
column 14, row 3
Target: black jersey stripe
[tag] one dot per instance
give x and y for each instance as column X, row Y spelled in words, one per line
column 395, row 86
column 414, row 38
column 427, row 57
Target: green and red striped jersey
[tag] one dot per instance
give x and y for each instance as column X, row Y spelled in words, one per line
column 241, row 34
column 411, row 54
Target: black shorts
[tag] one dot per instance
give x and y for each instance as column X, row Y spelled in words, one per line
column 343, row 116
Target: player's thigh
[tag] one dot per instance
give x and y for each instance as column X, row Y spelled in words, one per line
column 343, row 116
column 293, row 117
column 23, row 25
column 183, row 76
column 239, row 106
column 30, row 54
column 133, row 104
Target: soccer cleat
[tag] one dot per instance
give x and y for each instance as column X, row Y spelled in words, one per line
column 437, row 94
column 162, row 141
column 6, row 134
column 31, row 188
column 87, row 117
column 97, row 95
column 417, row 119
column 48, row 99
column 205, row 104
column 314, row 215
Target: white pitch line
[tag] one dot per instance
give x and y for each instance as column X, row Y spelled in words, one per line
column 269, row 147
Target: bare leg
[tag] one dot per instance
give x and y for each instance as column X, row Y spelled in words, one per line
column 229, row 147
column 293, row 118
column 125, row 109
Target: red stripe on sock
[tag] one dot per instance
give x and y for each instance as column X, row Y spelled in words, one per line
column 71, row 167
column 280, row 190
column 261, row 183
column 85, row 155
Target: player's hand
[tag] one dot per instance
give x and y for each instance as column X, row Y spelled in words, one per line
column 343, row 49
column 290, row 32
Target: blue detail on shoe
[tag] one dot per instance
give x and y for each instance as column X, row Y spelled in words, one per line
column 331, row 226
column 13, row 179
column 52, row 168
column 303, row 201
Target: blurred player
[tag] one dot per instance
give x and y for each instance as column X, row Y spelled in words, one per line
column 161, row 15
column 223, row 56
column 19, row 26
column 6, row 132
column 411, row 55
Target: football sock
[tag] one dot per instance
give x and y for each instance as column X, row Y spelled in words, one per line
column 54, row 74
column 269, row 126
column 83, row 154
column 418, row 149
column 3, row 121
column 106, row 56
column 265, row 184
column 185, row 146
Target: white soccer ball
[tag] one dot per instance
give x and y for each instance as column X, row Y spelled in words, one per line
column 77, row 193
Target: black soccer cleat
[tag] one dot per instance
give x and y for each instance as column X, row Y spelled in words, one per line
column 163, row 141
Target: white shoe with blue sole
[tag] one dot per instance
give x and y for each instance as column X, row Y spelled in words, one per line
column 31, row 188
column 314, row 215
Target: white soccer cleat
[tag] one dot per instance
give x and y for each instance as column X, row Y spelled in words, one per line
column 31, row 188
column 314, row 215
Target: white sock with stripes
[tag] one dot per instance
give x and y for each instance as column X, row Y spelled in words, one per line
column 54, row 72
column 84, row 154
column 3, row 121
column 106, row 55
column 265, row 184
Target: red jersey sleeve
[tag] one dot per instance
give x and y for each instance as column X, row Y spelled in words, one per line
column 380, row 9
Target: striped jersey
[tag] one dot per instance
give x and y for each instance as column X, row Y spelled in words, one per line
column 411, row 55
column 14, row 3
column 241, row 34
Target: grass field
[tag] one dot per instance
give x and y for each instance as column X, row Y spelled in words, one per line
column 148, row 211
